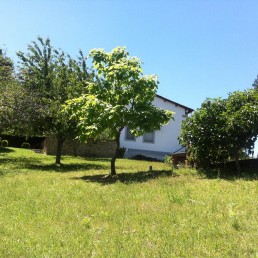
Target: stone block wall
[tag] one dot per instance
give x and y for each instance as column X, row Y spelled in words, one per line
column 101, row 149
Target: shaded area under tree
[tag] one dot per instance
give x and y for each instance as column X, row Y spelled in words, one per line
column 126, row 177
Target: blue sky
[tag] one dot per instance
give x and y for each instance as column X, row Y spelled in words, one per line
column 198, row 49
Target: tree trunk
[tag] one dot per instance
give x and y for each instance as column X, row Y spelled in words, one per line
column 60, row 141
column 113, row 160
column 237, row 163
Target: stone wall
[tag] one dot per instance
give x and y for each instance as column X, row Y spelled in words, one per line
column 102, row 149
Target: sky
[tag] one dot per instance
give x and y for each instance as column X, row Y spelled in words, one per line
column 197, row 48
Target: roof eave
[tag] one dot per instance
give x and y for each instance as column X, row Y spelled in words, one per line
column 188, row 110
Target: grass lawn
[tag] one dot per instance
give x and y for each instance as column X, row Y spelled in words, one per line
column 71, row 211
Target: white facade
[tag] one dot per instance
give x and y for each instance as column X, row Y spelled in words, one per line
column 162, row 142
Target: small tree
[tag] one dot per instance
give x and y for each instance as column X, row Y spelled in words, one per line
column 55, row 77
column 202, row 132
column 120, row 96
column 222, row 128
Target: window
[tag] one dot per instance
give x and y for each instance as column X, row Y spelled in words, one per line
column 149, row 137
column 128, row 135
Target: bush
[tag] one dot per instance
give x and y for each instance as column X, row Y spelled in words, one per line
column 25, row 145
column 4, row 143
column 168, row 160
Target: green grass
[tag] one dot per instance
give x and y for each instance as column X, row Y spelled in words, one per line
column 71, row 211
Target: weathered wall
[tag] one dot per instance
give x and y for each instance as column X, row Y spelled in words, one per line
column 103, row 149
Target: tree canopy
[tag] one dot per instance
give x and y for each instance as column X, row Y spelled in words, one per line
column 221, row 128
column 119, row 96
column 6, row 68
column 255, row 84
column 55, row 77
column 17, row 107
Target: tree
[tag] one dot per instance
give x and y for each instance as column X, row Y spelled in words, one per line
column 222, row 128
column 255, row 84
column 119, row 96
column 6, row 68
column 6, row 78
column 19, row 110
column 17, row 106
column 55, row 77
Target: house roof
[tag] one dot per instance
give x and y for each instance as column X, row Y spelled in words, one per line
column 188, row 110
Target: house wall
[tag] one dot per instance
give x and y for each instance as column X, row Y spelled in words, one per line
column 166, row 139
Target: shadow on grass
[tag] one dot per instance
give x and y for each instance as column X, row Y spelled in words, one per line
column 66, row 167
column 126, row 178
column 19, row 161
column 35, row 164
column 94, row 159
column 5, row 150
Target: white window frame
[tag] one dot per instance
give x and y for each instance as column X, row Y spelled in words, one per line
column 153, row 137
column 127, row 130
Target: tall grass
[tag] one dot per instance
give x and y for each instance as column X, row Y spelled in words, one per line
column 71, row 211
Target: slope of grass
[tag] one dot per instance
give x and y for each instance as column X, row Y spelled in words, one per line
column 71, row 211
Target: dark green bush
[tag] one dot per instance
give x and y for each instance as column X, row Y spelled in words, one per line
column 4, row 143
column 25, row 145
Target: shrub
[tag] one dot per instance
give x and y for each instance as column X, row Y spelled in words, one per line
column 4, row 143
column 168, row 160
column 25, row 145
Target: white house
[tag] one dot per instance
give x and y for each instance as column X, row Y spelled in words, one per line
column 157, row 144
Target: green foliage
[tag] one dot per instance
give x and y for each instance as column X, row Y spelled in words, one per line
column 168, row 160
column 255, row 84
column 55, row 77
column 221, row 128
column 119, row 96
column 4, row 143
column 20, row 110
column 7, row 80
column 6, row 68
column 25, row 145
